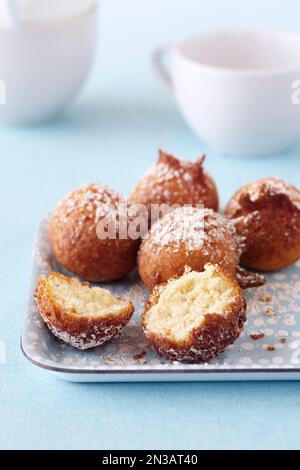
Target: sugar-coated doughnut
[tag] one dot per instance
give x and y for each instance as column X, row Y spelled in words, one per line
column 78, row 314
column 80, row 246
column 175, row 182
column 196, row 316
column 267, row 214
column 190, row 237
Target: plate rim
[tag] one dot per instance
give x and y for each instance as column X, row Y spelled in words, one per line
column 144, row 370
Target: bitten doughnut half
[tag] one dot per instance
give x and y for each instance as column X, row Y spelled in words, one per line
column 195, row 317
column 190, row 237
column 78, row 314
column 175, row 182
column 268, row 217
column 78, row 243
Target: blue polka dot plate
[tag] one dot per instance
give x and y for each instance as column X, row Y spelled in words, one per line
column 269, row 348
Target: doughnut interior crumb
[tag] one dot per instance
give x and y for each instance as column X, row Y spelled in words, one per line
column 76, row 298
column 184, row 302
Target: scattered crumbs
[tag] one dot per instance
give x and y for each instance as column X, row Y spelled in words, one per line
column 256, row 337
column 282, row 340
column 139, row 356
column 248, row 280
column 265, row 298
column 270, row 312
column 110, row 361
column 271, row 348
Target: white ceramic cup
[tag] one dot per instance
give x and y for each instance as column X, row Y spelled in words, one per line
column 43, row 66
column 235, row 88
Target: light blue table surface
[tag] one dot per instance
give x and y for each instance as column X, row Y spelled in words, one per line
column 111, row 134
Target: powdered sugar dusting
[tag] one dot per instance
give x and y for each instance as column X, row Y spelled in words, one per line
column 169, row 168
column 191, row 226
column 273, row 187
column 267, row 215
column 91, row 211
column 81, row 341
column 261, row 191
column 174, row 181
column 91, row 201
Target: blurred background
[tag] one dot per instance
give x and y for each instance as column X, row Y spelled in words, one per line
column 123, row 109
column 129, row 30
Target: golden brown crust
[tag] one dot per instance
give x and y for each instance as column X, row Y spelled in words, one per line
column 75, row 242
column 214, row 335
column 173, row 181
column 81, row 332
column 267, row 214
column 163, row 255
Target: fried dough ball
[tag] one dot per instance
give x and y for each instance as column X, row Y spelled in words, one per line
column 175, row 182
column 190, row 237
column 195, row 317
column 268, row 217
column 79, row 240
column 79, row 314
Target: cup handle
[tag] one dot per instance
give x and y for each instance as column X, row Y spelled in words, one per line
column 160, row 67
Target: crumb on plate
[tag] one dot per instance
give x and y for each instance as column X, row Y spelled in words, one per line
column 270, row 312
column 265, row 298
column 256, row 337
